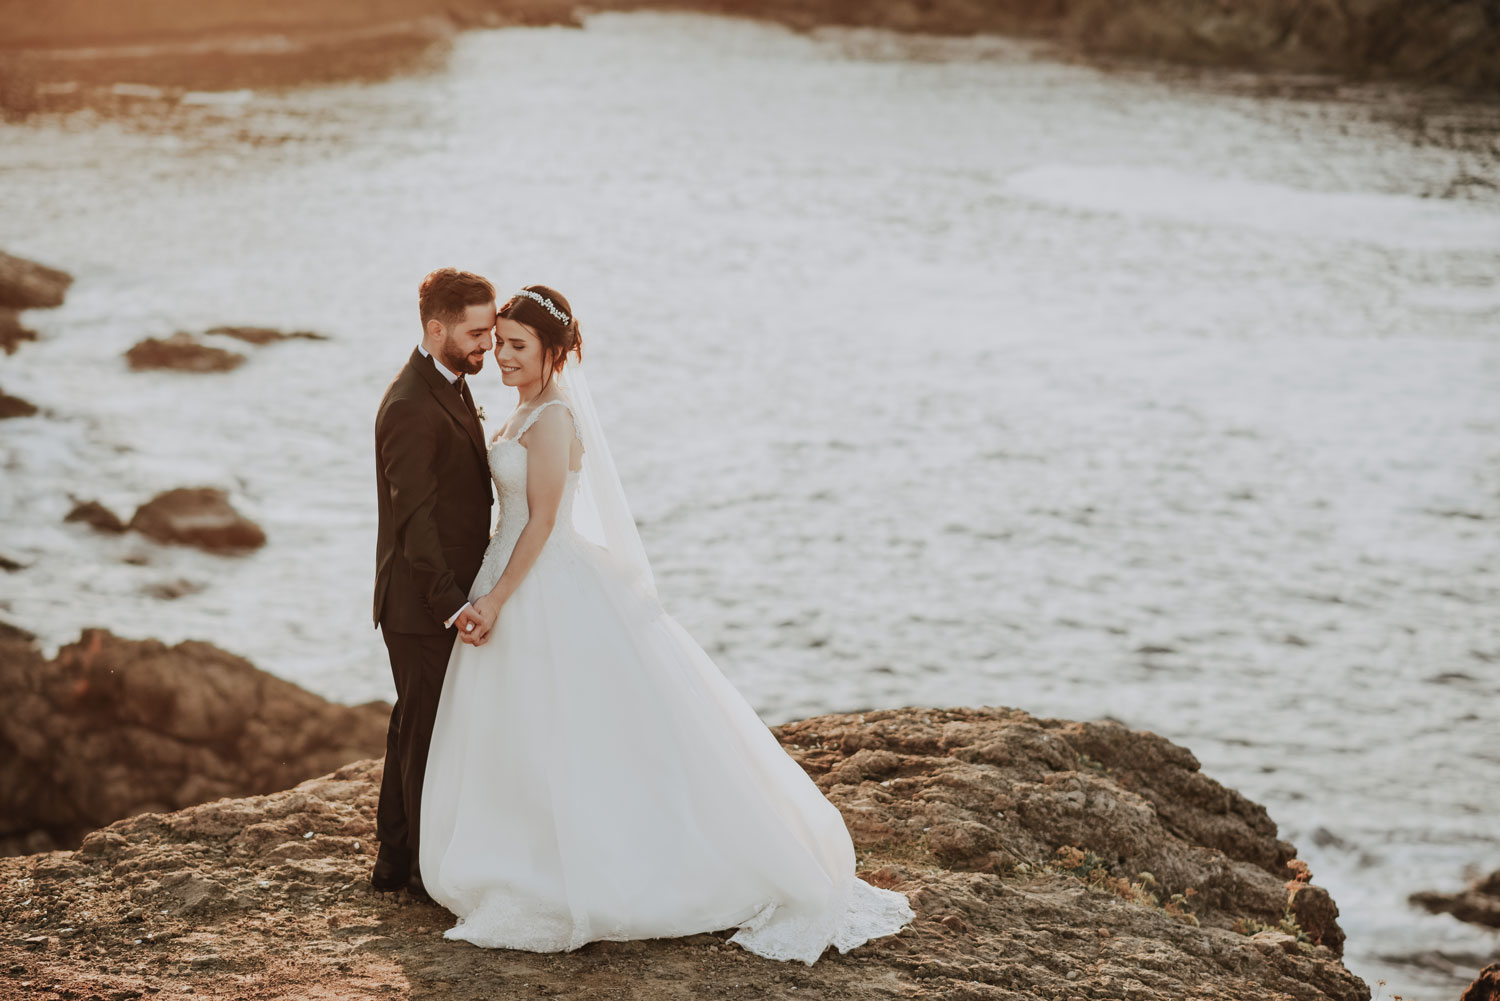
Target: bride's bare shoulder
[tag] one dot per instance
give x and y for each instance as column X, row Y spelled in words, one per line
column 551, row 428
column 550, row 417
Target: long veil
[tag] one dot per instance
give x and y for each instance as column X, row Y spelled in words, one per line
column 600, row 512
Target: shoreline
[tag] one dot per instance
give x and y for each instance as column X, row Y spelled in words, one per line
column 284, row 43
column 92, row 24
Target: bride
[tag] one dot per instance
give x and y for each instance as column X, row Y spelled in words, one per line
column 592, row 775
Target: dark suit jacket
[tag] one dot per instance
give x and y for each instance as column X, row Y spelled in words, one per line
column 434, row 500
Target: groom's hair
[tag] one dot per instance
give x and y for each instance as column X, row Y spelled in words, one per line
column 447, row 292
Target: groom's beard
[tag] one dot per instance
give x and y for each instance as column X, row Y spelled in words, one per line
column 467, row 364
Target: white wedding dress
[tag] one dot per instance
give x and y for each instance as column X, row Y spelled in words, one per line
column 593, row 776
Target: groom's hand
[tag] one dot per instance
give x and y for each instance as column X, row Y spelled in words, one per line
column 471, row 626
column 476, row 622
column 486, row 611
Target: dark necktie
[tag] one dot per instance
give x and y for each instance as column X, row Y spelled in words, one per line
column 463, row 392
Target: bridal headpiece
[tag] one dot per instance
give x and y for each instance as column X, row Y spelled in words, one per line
column 546, row 304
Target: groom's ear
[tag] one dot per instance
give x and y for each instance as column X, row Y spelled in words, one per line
column 434, row 327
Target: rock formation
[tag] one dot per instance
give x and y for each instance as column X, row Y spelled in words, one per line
column 11, row 331
column 26, row 285
column 14, row 406
column 96, row 516
column 9, row 632
column 115, row 727
column 197, row 516
column 171, row 590
column 181, row 353
column 1486, row 986
column 264, row 335
column 1045, row 859
column 1479, row 903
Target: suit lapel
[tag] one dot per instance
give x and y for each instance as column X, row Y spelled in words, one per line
column 448, row 397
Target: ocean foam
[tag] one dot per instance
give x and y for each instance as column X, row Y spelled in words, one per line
column 1397, row 221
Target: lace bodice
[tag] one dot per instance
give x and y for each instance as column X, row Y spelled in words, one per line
column 507, row 457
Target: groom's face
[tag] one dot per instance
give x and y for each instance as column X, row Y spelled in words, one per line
column 466, row 341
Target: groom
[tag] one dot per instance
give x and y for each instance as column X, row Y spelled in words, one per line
column 434, row 501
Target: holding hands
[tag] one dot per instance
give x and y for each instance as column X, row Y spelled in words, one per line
column 475, row 622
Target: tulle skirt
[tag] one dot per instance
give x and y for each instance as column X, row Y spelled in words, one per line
column 593, row 776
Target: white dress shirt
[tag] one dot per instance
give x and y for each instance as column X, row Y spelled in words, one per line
column 452, row 377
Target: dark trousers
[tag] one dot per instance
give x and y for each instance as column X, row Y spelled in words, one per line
column 418, row 662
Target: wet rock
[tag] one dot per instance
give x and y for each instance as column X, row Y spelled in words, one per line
column 28, row 285
column 1486, row 986
column 171, row 590
column 12, row 333
column 115, row 727
column 197, row 516
column 14, row 406
column 1479, row 903
column 265, row 335
column 96, row 516
column 181, row 353
column 15, row 634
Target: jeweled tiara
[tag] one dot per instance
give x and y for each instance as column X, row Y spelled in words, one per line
column 546, row 304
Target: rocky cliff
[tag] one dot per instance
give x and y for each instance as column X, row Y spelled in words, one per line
column 1446, row 41
column 116, row 727
column 1045, row 859
column 1443, row 41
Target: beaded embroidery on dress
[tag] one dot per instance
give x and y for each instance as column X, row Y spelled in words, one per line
column 593, row 776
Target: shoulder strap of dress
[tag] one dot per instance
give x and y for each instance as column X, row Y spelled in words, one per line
column 531, row 418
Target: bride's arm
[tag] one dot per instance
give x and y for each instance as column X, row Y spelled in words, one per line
column 549, row 444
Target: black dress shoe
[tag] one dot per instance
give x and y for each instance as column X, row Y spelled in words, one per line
column 391, row 872
column 417, row 890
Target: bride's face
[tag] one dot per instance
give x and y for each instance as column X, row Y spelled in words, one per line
column 518, row 353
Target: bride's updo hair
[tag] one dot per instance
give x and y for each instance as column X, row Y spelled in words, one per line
column 558, row 339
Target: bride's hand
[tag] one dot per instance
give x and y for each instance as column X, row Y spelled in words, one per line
column 486, row 610
column 468, row 624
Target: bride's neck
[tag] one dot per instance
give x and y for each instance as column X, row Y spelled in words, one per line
column 530, row 393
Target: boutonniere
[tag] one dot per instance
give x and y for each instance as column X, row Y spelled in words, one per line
column 479, row 412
